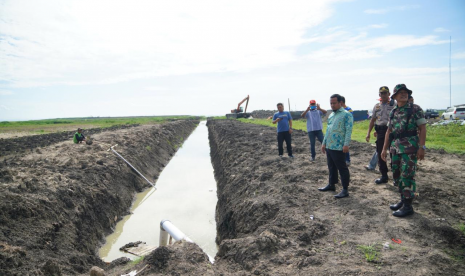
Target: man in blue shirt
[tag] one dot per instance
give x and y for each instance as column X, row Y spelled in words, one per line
column 284, row 121
column 336, row 145
column 313, row 115
column 350, row 111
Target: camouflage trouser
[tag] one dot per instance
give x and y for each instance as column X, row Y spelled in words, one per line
column 403, row 170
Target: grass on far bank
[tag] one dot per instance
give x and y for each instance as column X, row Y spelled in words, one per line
column 54, row 125
column 450, row 137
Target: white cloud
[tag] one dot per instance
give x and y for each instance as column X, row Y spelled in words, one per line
column 336, row 28
column 100, row 42
column 5, row 93
column 361, row 47
column 378, row 26
column 460, row 55
column 4, row 107
column 391, row 9
column 441, row 30
column 156, row 88
column 373, row 11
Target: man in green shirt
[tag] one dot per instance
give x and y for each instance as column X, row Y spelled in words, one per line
column 406, row 136
column 336, row 144
column 79, row 137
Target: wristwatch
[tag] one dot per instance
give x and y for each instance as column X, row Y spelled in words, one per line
column 423, row 147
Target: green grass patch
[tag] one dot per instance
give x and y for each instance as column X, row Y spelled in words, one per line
column 371, row 252
column 450, row 138
column 54, row 125
column 461, row 227
column 138, row 260
column 456, row 255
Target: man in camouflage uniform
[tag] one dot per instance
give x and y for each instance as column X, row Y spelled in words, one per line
column 406, row 136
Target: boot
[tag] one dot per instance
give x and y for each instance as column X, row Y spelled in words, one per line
column 382, row 179
column 329, row 187
column 343, row 193
column 398, row 205
column 406, row 210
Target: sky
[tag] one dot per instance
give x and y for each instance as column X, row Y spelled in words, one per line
column 82, row 58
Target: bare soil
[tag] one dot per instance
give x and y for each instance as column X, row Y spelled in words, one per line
column 58, row 201
column 17, row 145
column 266, row 203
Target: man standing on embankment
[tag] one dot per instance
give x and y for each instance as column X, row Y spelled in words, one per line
column 350, row 112
column 313, row 115
column 284, row 121
column 379, row 120
column 406, row 135
column 336, row 145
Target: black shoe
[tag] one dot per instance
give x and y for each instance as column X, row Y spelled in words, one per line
column 397, row 206
column 329, row 187
column 343, row 193
column 406, row 210
column 382, row 179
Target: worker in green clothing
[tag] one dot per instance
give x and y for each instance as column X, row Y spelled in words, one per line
column 79, row 137
column 405, row 139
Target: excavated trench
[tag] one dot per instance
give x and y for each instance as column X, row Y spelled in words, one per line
column 58, row 202
column 185, row 194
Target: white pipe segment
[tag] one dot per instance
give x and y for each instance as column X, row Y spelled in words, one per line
column 166, row 227
column 174, row 232
column 114, row 151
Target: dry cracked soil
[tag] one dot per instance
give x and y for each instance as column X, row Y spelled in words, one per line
column 58, row 202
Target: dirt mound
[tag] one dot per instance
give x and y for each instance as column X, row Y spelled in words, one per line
column 182, row 258
column 272, row 220
column 58, row 202
column 29, row 143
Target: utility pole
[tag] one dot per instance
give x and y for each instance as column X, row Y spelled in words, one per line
column 450, row 72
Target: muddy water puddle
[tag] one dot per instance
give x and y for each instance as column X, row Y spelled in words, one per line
column 185, row 195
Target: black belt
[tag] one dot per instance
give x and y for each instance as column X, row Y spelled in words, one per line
column 405, row 134
column 378, row 128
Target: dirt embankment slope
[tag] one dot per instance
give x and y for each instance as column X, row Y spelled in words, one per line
column 29, row 143
column 265, row 204
column 58, row 202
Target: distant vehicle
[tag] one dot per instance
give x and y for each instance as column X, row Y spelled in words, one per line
column 431, row 113
column 239, row 108
column 454, row 113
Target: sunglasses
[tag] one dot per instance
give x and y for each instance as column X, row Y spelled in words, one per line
column 383, row 92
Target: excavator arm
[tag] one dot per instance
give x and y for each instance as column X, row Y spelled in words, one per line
column 239, row 105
